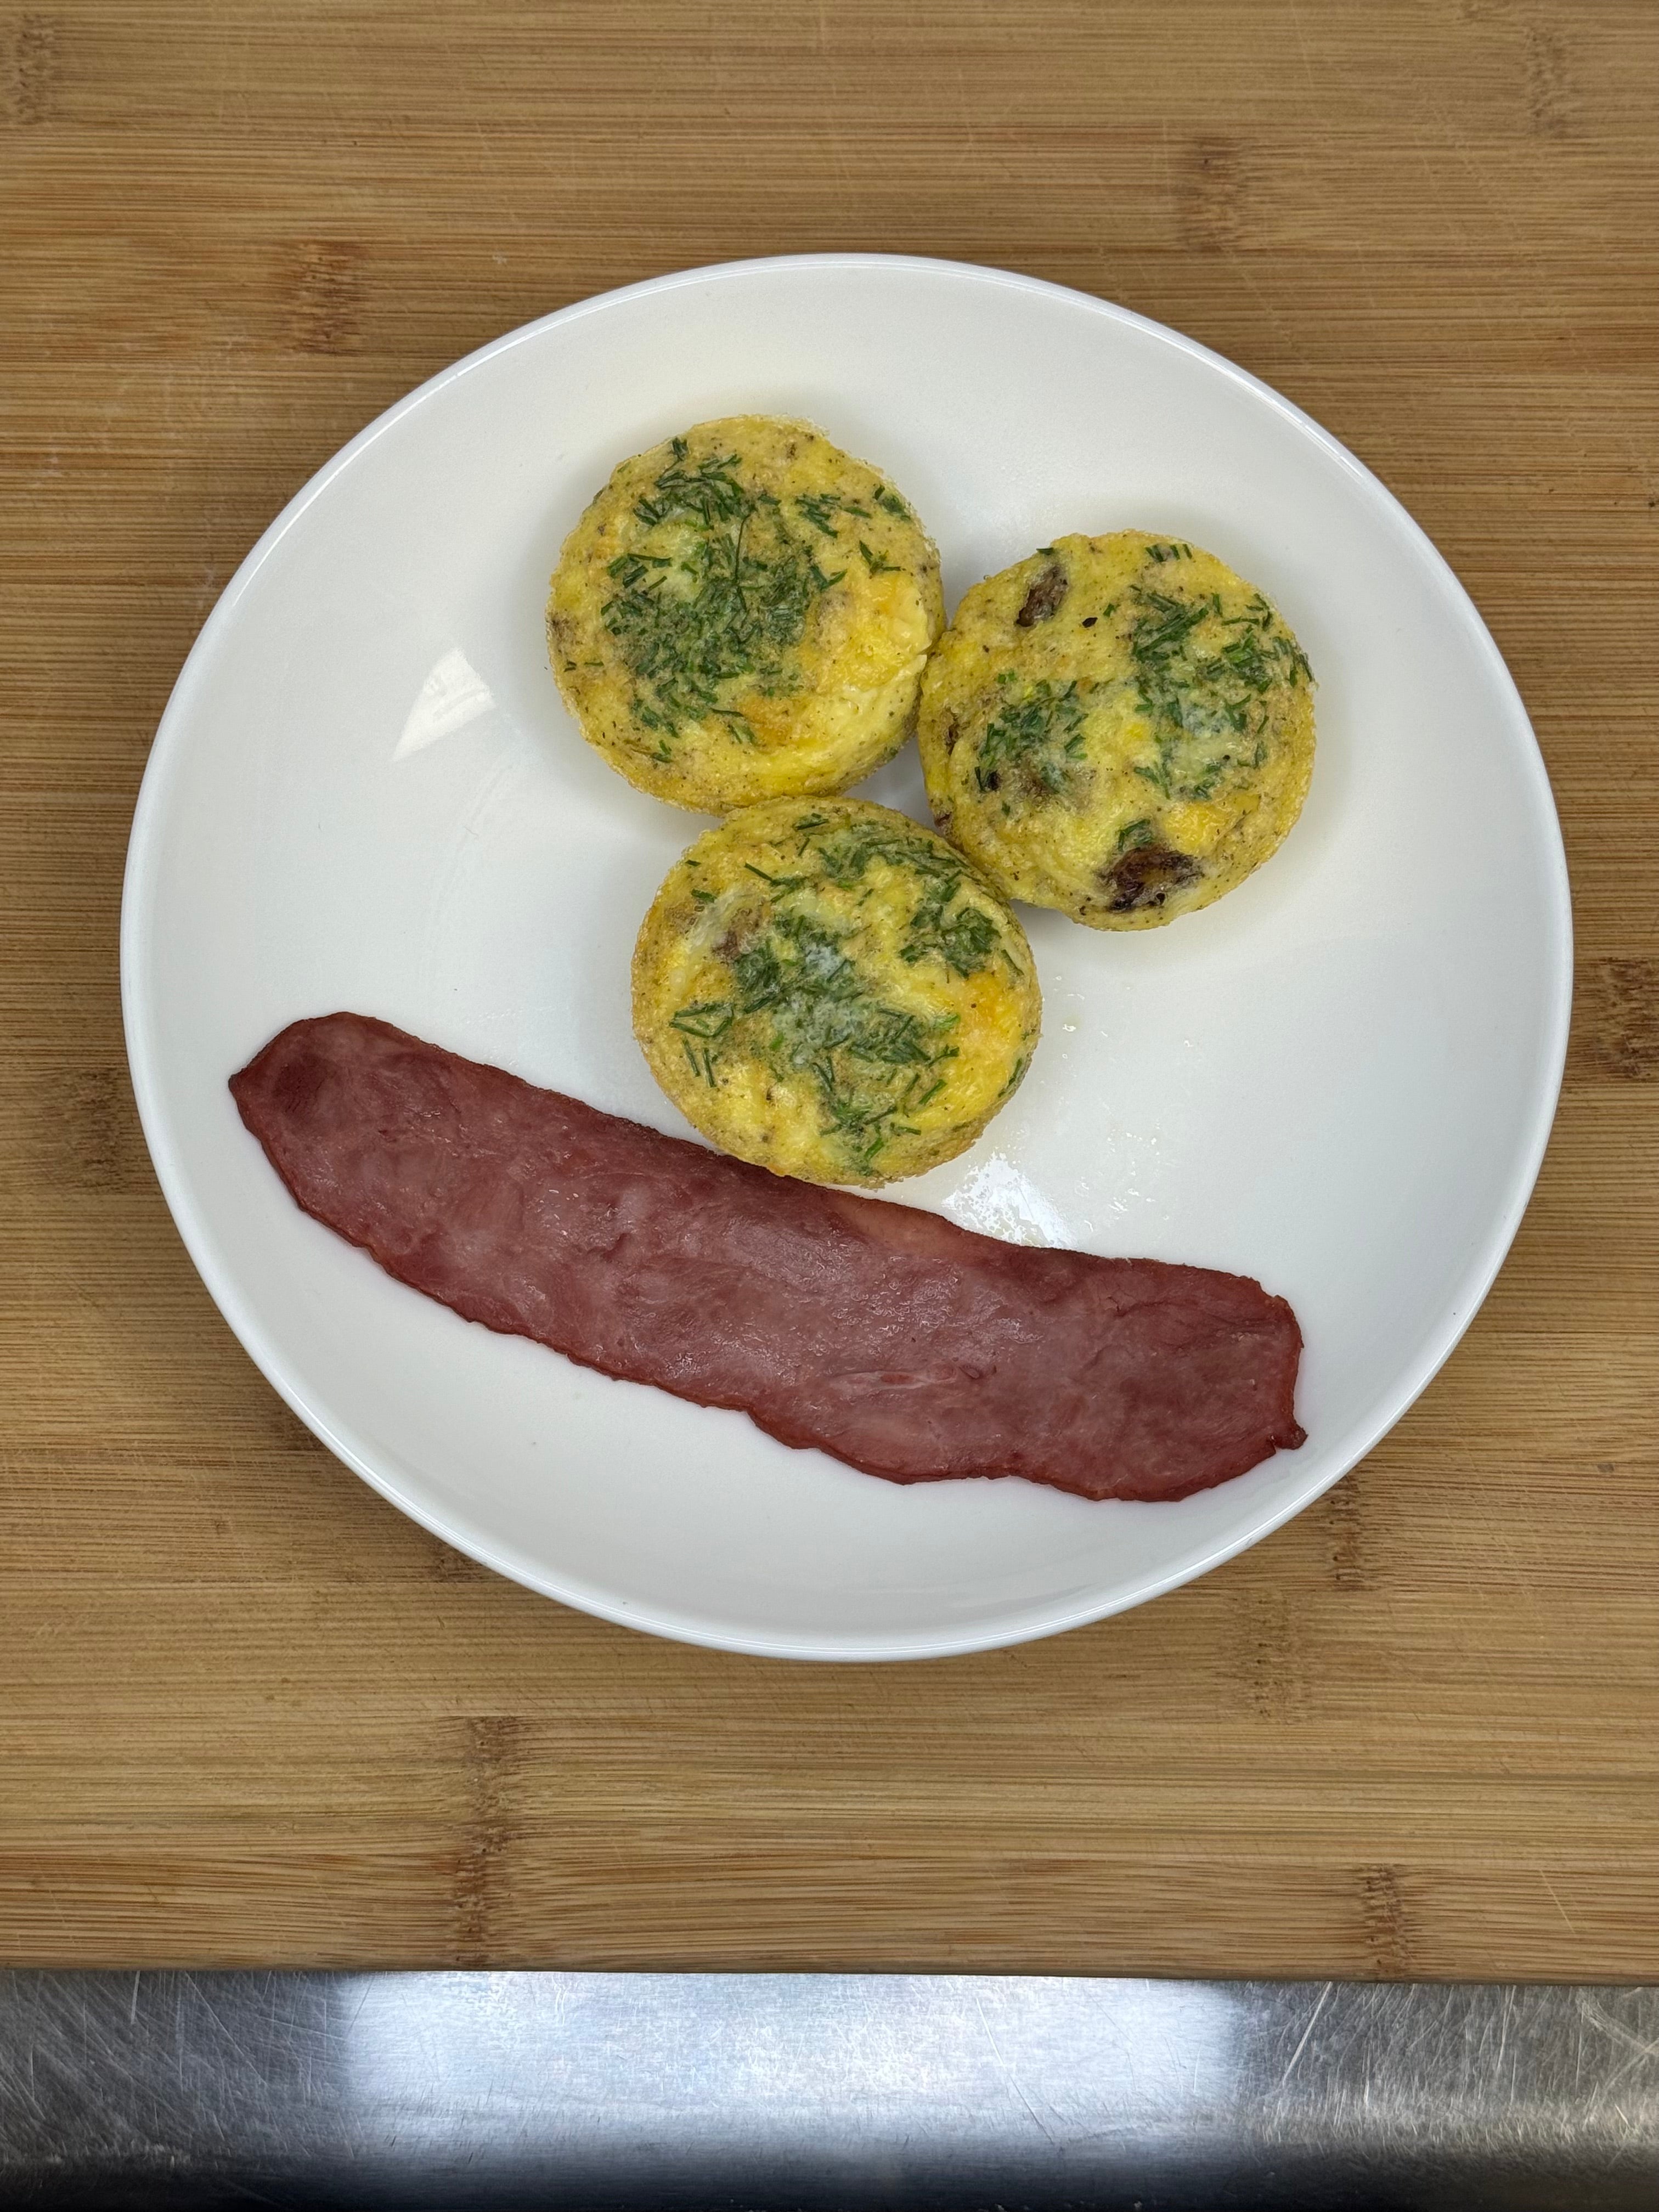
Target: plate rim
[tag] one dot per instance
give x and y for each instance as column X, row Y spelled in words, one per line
column 1473, row 1284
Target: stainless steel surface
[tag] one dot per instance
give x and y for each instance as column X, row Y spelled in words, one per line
column 681, row 2090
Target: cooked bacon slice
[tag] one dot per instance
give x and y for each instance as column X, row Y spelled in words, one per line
column 888, row 1337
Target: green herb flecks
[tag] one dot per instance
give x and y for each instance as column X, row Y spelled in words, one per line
column 846, row 849
column 943, row 924
column 702, row 1026
column 875, row 563
column 821, row 508
column 803, row 1003
column 719, row 590
column 799, row 999
column 965, row 937
column 1209, row 704
column 892, row 503
column 1038, row 737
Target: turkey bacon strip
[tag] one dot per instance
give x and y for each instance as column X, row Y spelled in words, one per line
column 890, row 1337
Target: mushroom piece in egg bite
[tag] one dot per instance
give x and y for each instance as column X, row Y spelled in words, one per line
column 743, row 612
column 1120, row 727
column 830, row 990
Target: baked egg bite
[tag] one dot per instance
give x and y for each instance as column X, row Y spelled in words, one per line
column 1119, row 727
column 828, row 989
column 744, row 612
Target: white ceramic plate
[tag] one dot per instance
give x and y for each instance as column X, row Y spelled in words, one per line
column 365, row 793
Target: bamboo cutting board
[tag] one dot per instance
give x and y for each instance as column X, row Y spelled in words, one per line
column 248, row 1714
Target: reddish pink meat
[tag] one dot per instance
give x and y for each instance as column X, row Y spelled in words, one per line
column 897, row 1341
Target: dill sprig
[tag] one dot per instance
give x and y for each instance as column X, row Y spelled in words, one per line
column 961, row 934
column 799, row 999
column 727, row 599
column 808, row 1009
column 1195, row 692
column 821, row 508
column 1040, row 734
column 965, row 937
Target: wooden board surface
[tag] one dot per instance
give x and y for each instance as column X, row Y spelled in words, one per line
column 249, row 1714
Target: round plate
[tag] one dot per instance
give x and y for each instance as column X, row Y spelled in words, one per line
column 365, row 794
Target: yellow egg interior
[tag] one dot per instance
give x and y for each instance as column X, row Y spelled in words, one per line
column 827, row 989
column 743, row 613
column 1119, row 727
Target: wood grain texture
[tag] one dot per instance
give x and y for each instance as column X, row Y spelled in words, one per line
column 249, row 1714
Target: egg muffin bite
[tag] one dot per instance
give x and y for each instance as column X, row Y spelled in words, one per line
column 829, row 990
column 744, row 612
column 1119, row 727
